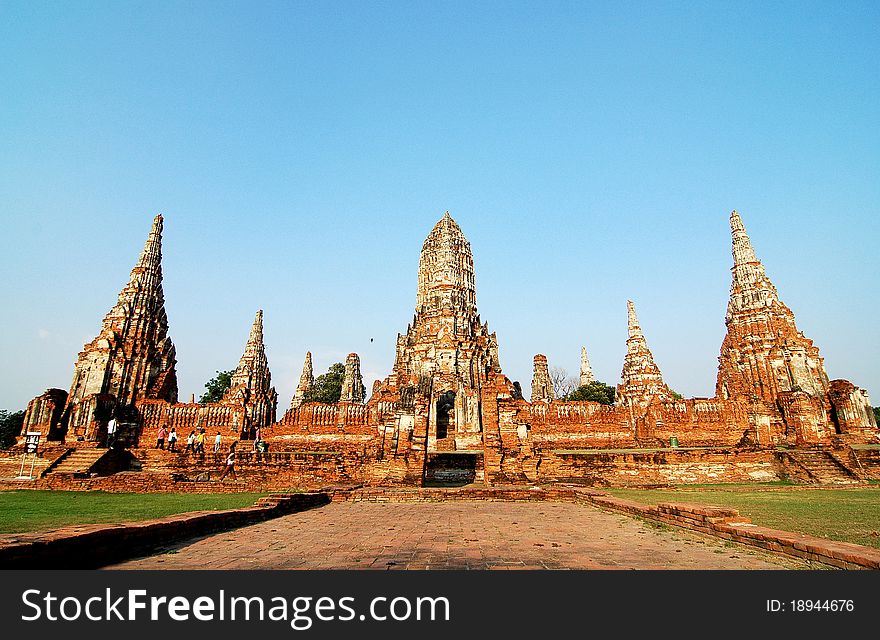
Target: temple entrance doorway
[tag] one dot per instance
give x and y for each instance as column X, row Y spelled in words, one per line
column 445, row 414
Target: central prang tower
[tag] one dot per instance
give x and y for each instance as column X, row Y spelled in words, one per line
column 446, row 342
column 444, row 391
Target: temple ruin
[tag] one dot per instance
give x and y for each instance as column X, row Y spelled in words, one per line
column 446, row 413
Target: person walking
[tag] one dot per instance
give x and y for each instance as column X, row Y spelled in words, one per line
column 217, row 440
column 191, row 442
column 200, row 442
column 111, row 432
column 230, row 463
column 160, row 437
column 172, row 439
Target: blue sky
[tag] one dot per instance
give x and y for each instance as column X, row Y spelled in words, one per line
column 301, row 152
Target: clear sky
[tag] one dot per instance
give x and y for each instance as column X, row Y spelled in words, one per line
column 301, row 152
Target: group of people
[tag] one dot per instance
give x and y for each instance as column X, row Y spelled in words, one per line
column 170, row 435
column 195, row 443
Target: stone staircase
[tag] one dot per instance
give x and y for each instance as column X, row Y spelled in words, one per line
column 822, row 467
column 78, row 461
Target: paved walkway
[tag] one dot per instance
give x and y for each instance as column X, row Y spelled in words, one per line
column 458, row 535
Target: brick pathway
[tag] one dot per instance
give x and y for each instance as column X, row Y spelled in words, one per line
column 458, row 535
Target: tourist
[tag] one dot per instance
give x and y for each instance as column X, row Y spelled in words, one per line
column 217, row 440
column 172, row 439
column 160, row 437
column 111, row 432
column 230, row 463
column 200, row 442
column 257, row 438
column 191, row 442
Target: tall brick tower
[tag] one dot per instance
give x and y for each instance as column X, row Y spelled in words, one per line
column 446, row 341
column 251, row 385
column 446, row 390
column 763, row 352
column 766, row 362
column 132, row 357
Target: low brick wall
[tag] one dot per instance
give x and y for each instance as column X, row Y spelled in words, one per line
column 158, row 482
column 728, row 524
column 96, row 545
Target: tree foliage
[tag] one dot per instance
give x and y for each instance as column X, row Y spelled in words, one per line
column 328, row 386
column 216, row 387
column 10, row 427
column 675, row 395
column 594, row 392
column 877, row 415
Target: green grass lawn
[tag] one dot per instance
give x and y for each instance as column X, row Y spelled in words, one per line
column 40, row 510
column 849, row 515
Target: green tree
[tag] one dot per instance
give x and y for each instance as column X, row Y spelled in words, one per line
column 216, row 387
column 877, row 415
column 328, row 386
column 594, row 392
column 10, row 427
column 675, row 395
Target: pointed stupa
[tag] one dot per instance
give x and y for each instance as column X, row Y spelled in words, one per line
column 132, row 357
column 251, row 384
column 750, row 288
column 641, row 378
column 586, row 370
column 253, row 366
column 763, row 352
column 150, row 260
column 306, row 382
column 353, row 389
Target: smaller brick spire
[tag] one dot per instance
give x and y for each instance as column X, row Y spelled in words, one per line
column 542, row 385
column 641, row 377
column 306, row 382
column 586, row 370
column 251, row 377
column 353, row 389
